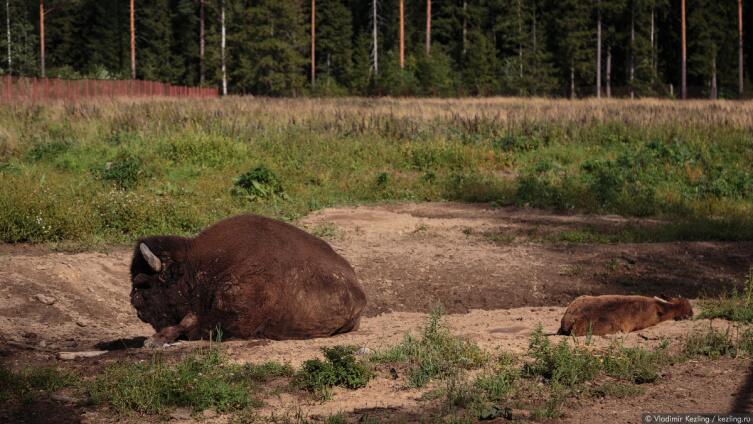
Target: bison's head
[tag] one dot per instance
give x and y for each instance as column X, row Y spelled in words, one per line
column 159, row 278
column 679, row 307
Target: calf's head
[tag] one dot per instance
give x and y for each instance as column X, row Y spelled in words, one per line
column 160, row 278
column 676, row 308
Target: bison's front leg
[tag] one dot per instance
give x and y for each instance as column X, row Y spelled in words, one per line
column 171, row 334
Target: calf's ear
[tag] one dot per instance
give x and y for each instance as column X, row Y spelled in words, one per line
column 660, row 299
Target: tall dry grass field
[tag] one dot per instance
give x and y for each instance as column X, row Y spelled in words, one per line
column 111, row 171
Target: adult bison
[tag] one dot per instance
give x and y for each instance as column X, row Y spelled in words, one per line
column 608, row 314
column 250, row 276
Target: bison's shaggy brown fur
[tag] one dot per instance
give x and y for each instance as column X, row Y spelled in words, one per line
column 251, row 276
column 600, row 315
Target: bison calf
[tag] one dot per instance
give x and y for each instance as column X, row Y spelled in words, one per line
column 602, row 315
column 251, row 277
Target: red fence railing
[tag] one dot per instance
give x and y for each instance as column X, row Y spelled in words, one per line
column 14, row 89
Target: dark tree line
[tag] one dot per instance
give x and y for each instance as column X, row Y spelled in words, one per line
column 464, row 47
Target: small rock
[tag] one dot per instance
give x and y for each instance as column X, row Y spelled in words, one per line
column 80, row 323
column 364, row 351
column 47, row 300
column 42, row 343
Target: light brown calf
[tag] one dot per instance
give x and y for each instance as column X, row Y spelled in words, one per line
column 609, row 314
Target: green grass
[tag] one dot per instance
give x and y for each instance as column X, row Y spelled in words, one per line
column 31, row 383
column 111, row 172
column 435, row 353
column 714, row 343
column 340, row 368
column 734, row 306
column 617, row 390
column 203, row 380
column 561, row 363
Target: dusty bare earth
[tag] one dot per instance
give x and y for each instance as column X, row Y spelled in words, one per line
column 493, row 275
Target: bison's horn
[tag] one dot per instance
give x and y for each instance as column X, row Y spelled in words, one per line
column 659, row 299
column 150, row 257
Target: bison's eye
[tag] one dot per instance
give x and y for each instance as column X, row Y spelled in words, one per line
column 141, row 281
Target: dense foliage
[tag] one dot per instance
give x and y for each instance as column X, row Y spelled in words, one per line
column 479, row 47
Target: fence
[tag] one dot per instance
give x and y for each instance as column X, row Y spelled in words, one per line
column 14, row 89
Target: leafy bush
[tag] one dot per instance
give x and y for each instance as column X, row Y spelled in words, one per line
column 516, row 143
column 48, row 150
column 259, row 183
column 125, row 170
column 340, row 368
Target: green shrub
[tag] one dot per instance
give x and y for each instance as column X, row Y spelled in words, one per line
column 340, row 368
column 259, row 183
column 48, row 150
column 124, row 170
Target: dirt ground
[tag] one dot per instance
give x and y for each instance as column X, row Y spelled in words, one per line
column 494, row 278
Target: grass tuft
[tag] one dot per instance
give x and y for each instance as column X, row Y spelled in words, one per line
column 30, row 383
column 735, row 306
column 204, row 380
column 435, row 353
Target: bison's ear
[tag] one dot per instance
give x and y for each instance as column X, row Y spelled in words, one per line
column 152, row 259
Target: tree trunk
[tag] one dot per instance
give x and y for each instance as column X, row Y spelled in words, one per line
column 741, row 88
column 375, row 41
column 428, row 27
column 684, row 76
column 653, row 45
column 598, row 49
column 313, row 43
column 402, row 34
column 41, row 39
column 520, row 40
column 7, row 28
column 533, row 32
column 133, row 40
column 713, row 93
column 609, row 72
column 465, row 27
column 202, row 69
column 222, row 47
column 572, row 79
column 632, row 50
